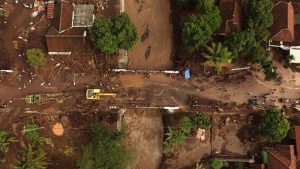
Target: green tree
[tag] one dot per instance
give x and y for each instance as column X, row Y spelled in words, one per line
column 212, row 17
column 176, row 137
column 240, row 42
column 197, row 30
column 217, row 164
column 105, row 151
column 260, row 14
column 125, row 30
column 111, row 34
column 257, row 54
column 201, row 120
column 35, row 57
column 203, row 5
column 103, row 37
column 195, row 33
column 31, row 133
column 31, row 159
column 185, row 125
column 218, row 54
column 274, row 125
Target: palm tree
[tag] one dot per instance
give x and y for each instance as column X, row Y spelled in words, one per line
column 218, row 54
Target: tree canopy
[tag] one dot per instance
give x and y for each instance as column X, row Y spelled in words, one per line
column 247, row 45
column 105, row 151
column 35, row 57
column 195, row 33
column 274, row 125
column 260, row 14
column 218, row 54
column 197, row 30
column 111, row 34
column 239, row 42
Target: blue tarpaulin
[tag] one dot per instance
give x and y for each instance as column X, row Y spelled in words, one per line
column 187, row 74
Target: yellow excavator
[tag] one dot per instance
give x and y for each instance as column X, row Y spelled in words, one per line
column 95, row 94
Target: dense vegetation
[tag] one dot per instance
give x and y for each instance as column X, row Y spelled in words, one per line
column 197, row 30
column 105, row 151
column 186, row 124
column 274, row 125
column 111, row 34
column 32, row 156
column 248, row 44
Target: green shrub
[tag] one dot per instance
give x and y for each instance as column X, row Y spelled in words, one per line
column 269, row 70
column 31, row 134
column 185, row 125
column 35, row 57
column 176, row 137
column 217, row 164
column 201, row 120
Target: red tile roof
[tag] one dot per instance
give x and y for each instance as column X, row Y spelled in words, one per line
column 231, row 14
column 297, row 134
column 283, row 157
column 283, row 26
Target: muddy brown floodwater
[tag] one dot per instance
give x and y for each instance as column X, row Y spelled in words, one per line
column 154, row 47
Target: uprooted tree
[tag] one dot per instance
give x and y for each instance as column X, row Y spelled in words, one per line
column 111, row 34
